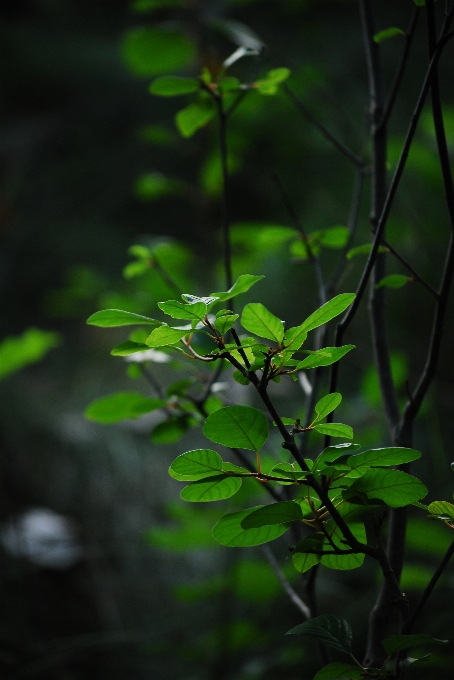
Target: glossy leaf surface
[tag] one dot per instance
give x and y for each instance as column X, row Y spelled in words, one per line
column 241, row 427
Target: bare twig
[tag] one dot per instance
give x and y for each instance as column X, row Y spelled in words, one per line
column 410, row 268
column 294, row 597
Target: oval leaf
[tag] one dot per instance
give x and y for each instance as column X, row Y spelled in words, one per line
column 327, row 404
column 364, row 250
column 164, row 335
column 384, row 457
column 151, row 51
column 276, row 513
column 328, row 311
column 172, row 86
column 197, row 464
column 257, row 319
column 194, row 116
column 212, row 489
column 339, row 671
column 110, row 318
column 330, row 630
column 442, row 508
column 393, row 487
column 394, row 281
column 335, row 430
column 241, row 427
column 325, row 357
column 121, row 406
column 388, row 33
column 229, row 532
column 129, row 347
column 179, row 310
column 242, row 285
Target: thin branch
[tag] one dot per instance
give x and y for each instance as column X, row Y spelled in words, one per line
column 322, row 129
column 410, row 269
column 409, row 35
column 410, row 622
column 294, row 597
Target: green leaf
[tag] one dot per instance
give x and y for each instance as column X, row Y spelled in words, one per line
column 442, row 508
column 129, row 347
column 328, row 311
column 179, row 310
column 393, row 487
column 229, row 532
column 364, row 250
column 388, row 33
column 335, row 430
column 240, row 378
column 420, row 3
column 332, row 453
column 344, row 562
column 164, row 335
column 324, row 357
column 303, row 561
column 269, row 85
column 397, row 643
column 172, row 86
column 384, row 457
column 225, row 322
column 110, row 318
column 152, row 51
column 211, row 489
column 16, row 352
column 329, row 630
column 327, row 405
column 242, row 285
column 121, row 406
column 194, row 116
column 241, row 427
column 257, row 319
column 334, row 237
column 338, row 671
column 394, row 281
column 276, row 513
column 169, row 431
column 150, row 187
column 197, row 464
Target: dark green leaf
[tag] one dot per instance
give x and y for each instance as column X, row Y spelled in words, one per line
column 151, row 51
column 109, row 318
column 211, row 489
column 172, row 86
column 238, row 427
column 397, row 643
column 329, row 630
column 121, row 406
column 393, row 487
column 257, row 319
column 394, row 281
column 442, row 508
column 197, row 464
column 335, row 430
column 384, row 457
column 339, row 671
column 169, row 431
column 229, row 532
column 194, row 116
column 325, row 357
column 276, row 513
column 332, row 453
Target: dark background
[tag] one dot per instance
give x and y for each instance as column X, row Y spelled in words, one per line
column 74, row 139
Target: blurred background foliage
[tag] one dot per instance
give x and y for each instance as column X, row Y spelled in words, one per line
column 105, row 573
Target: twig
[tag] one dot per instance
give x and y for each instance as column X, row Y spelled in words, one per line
column 410, row 268
column 322, row 129
column 294, row 597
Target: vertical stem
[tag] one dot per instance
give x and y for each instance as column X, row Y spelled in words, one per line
column 225, row 193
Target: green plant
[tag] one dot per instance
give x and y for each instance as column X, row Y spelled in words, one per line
column 335, row 503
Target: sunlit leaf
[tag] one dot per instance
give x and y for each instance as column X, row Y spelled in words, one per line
column 229, row 532
column 329, row 630
column 225, row 322
column 241, row 285
column 327, row 404
column 257, row 319
column 238, row 427
column 120, row 406
column 325, row 357
column 179, row 310
column 214, row 488
column 129, row 347
column 443, row 509
column 335, row 430
column 328, row 311
column 164, row 335
column 197, row 464
column 384, row 457
column 110, row 318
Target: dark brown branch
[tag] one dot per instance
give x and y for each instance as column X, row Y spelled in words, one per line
column 412, row 271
